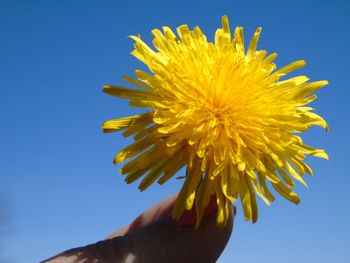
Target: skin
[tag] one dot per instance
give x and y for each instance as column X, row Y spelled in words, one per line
column 155, row 237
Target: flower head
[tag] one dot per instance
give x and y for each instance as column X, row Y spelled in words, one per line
column 221, row 111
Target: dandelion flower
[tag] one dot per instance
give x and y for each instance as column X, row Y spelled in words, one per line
column 221, row 111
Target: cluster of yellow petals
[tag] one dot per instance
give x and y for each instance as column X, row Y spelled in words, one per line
column 221, row 111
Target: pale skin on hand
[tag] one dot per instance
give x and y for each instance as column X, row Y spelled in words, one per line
column 155, row 237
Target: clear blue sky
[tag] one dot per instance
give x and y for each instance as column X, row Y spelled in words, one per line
column 56, row 170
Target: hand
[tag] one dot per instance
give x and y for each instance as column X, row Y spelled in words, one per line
column 154, row 237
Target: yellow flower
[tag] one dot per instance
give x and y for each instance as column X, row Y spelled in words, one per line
column 221, row 111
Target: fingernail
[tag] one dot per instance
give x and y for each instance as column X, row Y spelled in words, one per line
column 188, row 218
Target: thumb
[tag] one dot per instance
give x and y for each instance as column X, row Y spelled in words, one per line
column 166, row 241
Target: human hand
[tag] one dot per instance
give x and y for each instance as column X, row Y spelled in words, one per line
column 154, row 237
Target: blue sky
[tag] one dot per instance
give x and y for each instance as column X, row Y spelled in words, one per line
column 56, row 172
